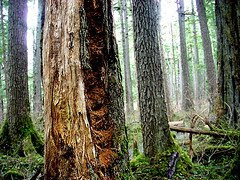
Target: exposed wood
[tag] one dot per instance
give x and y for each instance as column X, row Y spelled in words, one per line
column 83, row 96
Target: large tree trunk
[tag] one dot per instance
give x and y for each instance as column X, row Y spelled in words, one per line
column 197, row 73
column 154, row 121
column 207, row 47
column 187, row 102
column 37, row 63
column 127, row 67
column 228, row 36
column 84, row 112
column 18, row 125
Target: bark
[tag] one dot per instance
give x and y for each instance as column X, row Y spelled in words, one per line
column 187, row 103
column 18, row 125
column 37, row 63
column 228, row 36
column 154, row 121
column 84, row 111
column 197, row 73
column 207, row 47
column 127, row 67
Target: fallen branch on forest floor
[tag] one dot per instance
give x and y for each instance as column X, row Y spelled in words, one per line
column 196, row 131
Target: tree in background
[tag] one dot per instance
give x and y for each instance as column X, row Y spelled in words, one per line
column 197, row 74
column 187, row 102
column 228, row 36
column 84, row 111
column 125, row 47
column 18, row 125
column 37, row 63
column 207, row 49
column 3, row 61
column 154, row 121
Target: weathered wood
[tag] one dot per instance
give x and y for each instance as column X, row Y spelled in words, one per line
column 196, row 131
column 176, row 123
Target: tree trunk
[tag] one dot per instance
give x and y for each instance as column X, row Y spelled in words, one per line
column 127, row 67
column 175, row 70
column 187, row 103
column 84, row 111
column 164, row 64
column 207, row 47
column 3, row 64
column 18, row 125
column 197, row 73
column 228, row 36
column 37, row 63
column 154, row 121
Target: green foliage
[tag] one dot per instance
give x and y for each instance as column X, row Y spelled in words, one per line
column 19, row 167
column 144, row 169
column 14, row 144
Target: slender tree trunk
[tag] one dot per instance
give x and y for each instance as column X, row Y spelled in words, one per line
column 228, row 36
column 18, row 125
column 154, row 121
column 127, row 67
column 187, row 102
column 164, row 64
column 197, row 73
column 84, row 111
column 37, row 63
column 207, row 47
column 3, row 62
column 175, row 70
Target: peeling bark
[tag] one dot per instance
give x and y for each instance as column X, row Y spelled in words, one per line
column 84, row 114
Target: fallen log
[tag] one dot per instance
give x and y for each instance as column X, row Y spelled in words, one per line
column 196, row 131
column 176, row 123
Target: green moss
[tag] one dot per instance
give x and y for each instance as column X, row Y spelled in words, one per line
column 5, row 141
column 13, row 142
column 143, row 169
column 139, row 161
column 234, row 171
column 26, row 166
column 13, row 174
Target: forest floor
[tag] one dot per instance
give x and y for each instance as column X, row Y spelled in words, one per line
column 211, row 157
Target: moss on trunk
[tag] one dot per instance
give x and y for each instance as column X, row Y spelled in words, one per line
column 158, row 166
column 12, row 143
